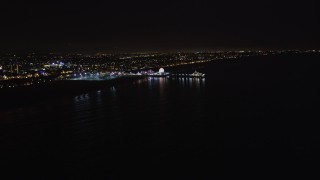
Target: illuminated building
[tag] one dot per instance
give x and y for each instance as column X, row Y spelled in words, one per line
column 161, row 70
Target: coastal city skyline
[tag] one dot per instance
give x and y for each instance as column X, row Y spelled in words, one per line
column 38, row 69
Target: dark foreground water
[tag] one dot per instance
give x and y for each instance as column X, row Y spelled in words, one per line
column 254, row 117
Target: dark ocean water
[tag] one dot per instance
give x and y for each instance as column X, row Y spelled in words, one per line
column 253, row 117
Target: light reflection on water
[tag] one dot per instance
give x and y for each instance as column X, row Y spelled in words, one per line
column 183, row 81
column 164, row 89
column 145, row 115
column 187, row 82
column 113, row 91
column 87, row 104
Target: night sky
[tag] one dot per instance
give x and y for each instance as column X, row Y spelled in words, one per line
column 137, row 26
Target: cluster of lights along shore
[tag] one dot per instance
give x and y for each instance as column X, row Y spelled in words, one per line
column 36, row 69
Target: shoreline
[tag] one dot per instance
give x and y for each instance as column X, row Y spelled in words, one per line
column 24, row 96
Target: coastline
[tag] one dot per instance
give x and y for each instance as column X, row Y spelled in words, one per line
column 27, row 95
column 23, row 96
